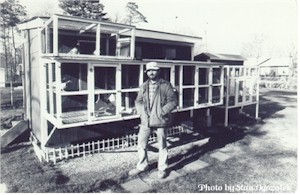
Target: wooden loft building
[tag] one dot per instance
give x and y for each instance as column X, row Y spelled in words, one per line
column 81, row 73
column 228, row 59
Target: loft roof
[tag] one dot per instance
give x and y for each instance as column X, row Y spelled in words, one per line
column 276, row 62
column 76, row 23
column 231, row 57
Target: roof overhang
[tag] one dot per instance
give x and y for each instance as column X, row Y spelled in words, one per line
column 35, row 22
column 38, row 22
column 166, row 36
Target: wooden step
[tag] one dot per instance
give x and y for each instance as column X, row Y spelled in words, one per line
column 14, row 133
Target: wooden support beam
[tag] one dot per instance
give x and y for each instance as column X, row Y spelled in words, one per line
column 98, row 40
column 48, row 136
column 91, row 92
column 118, row 82
column 58, row 81
column 227, row 96
column 196, row 84
column 180, row 86
column 132, row 44
column 83, row 30
column 50, row 77
column 257, row 94
column 210, row 82
column 55, row 35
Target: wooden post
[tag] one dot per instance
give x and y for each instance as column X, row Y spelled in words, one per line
column 172, row 75
column 58, row 89
column 196, row 84
column 66, row 153
column 227, row 96
column 118, row 81
column 141, row 74
column 98, row 144
column 43, row 104
column 72, row 151
column 118, row 46
column 222, row 84
column 93, row 147
column 210, row 82
column 60, row 153
column 55, row 35
column 257, row 94
column 89, row 147
column 91, row 92
column 78, row 150
column 180, row 86
column 98, row 39
column 236, row 97
column 132, row 44
column 103, row 145
column 47, row 39
column 50, row 76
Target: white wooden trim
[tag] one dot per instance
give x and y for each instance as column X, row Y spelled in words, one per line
column 50, row 73
column 98, row 40
column 44, row 143
column 210, row 82
column 257, row 94
column 141, row 78
column 132, row 44
column 130, row 90
column 91, row 92
column 70, row 93
column 180, row 86
column 222, row 84
column 88, row 28
column 118, row 82
column 227, row 96
column 55, row 35
column 43, row 100
column 172, row 76
column 58, row 88
column 196, row 84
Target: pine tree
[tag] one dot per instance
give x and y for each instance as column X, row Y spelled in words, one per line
column 83, row 8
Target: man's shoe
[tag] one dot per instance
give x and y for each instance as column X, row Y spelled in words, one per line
column 162, row 174
column 135, row 172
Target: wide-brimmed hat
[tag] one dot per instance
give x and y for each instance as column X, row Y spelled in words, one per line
column 151, row 66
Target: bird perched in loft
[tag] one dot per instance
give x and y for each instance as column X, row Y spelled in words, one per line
column 63, row 85
column 75, row 50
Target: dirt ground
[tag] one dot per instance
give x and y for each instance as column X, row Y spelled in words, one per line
column 262, row 158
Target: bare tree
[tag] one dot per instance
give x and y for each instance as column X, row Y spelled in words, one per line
column 11, row 14
column 116, row 18
column 255, row 47
column 134, row 16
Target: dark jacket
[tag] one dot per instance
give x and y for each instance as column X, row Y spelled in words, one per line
column 163, row 103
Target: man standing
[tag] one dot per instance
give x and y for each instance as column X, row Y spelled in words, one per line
column 154, row 103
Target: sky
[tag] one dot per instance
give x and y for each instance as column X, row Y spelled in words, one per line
column 225, row 25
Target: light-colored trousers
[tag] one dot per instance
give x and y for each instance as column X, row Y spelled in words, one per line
column 143, row 137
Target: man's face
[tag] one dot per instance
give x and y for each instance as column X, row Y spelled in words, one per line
column 152, row 74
